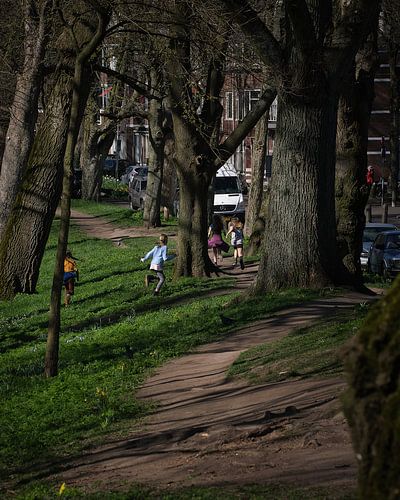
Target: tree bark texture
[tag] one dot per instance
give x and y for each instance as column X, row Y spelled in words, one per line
column 194, row 180
column 351, row 190
column 24, row 238
column 372, row 401
column 152, row 204
column 27, row 230
column 394, row 123
column 97, row 141
column 23, row 113
column 298, row 247
column 257, row 174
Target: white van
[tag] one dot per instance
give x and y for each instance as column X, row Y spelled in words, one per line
column 228, row 195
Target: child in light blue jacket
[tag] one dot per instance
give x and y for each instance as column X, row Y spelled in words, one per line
column 159, row 255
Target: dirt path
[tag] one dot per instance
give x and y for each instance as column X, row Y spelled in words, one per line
column 208, row 430
column 99, row 227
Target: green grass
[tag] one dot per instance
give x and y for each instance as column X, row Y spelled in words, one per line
column 313, row 351
column 113, row 335
column 228, row 492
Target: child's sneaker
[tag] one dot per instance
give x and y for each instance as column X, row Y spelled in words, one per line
column 156, row 292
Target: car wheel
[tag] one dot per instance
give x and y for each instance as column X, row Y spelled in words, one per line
column 369, row 270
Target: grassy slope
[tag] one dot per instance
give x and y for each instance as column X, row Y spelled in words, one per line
column 112, row 336
column 305, row 352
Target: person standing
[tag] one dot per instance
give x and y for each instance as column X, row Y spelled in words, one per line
column 215, row 241
column 236, row 232
column 158, row 255
column 70, row 274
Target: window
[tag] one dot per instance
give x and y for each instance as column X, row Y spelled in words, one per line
column 247, row 100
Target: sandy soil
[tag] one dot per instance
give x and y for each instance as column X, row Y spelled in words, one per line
column 207, row 430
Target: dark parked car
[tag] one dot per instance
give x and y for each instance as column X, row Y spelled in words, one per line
column 110, row 167
column 372, row 229
column 384, row 254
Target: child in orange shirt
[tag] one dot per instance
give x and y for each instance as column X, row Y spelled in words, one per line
column 70, row 274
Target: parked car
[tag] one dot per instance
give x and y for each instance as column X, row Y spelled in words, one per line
column 371, row 230
column 133, row 171
column 137, row 192
column 111, row 168
column 384, row 254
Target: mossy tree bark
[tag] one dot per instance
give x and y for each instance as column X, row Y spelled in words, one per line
column 23, row 111
column 351, row 191
column 372, row 402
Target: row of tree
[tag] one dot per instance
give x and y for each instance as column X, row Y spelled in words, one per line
column 318, row 57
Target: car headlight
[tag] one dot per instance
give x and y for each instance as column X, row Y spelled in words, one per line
column 389, row 262
column 240, row 205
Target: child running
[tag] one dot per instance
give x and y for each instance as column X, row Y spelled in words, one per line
column 159, row 255
column 236, row 231
column 70, row 274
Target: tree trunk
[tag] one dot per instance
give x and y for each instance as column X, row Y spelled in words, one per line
column 23, row 112
column 372, row 401
column 394, row 124
column 192, row 251
column 28, row 227
column 351, row 160
column 152, row 204
column 97, row 141
column 81, row 88
column 299, row 248
column 257, row 175
column 27, row 230
column 169, row 185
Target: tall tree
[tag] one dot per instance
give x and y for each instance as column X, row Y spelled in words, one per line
column 309, row 64
column 79, row 98
column 196, row 115
column 351, row 155
column 24, row 109
column 25, row 236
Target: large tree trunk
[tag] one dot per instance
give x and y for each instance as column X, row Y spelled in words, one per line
column 372, row 401
column 28, row 227
column 25, row 236
column 394, row 123
column 192, row 253
column 257, row 175
column 194, row 180
column 299, row 248
column 152, row 205
column 351, row 159
column 23, row 112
